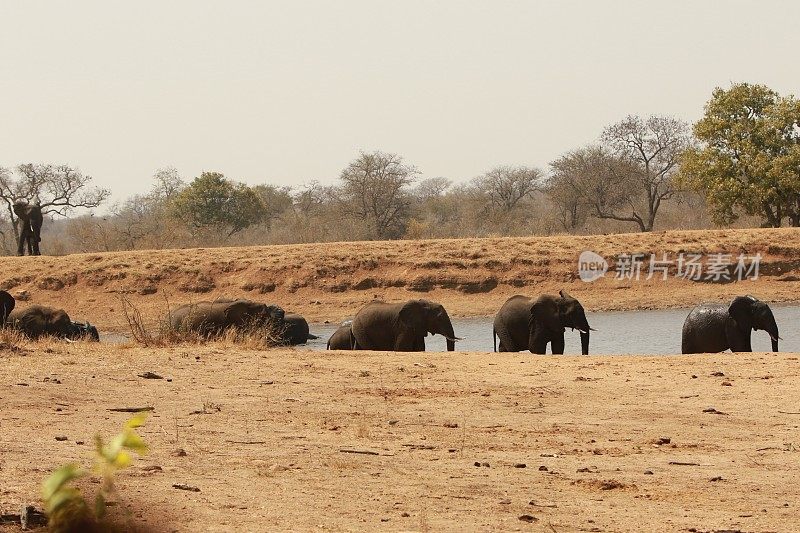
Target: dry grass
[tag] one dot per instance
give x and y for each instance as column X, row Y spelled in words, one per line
column 331, row 281
column 254, row 336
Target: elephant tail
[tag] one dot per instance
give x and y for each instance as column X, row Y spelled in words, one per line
column 494, row 338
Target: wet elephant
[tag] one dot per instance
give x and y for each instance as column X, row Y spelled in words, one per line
column 715, row 327
column 296, row 329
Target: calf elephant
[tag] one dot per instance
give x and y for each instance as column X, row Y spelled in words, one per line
column 715, row 327
column 37, row 320
column 524, row 323
column 7, row 304
column 211, row 319
column 296, row 329
column 341, row 338
column 401, row 326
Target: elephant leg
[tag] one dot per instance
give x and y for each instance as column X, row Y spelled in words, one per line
column 23, row 237
column 738, row 341
column 538, row 344
column 557, row 343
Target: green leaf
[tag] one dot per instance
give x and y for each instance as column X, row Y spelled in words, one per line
column 59, row 478
column 62, row 498
column 134, row 442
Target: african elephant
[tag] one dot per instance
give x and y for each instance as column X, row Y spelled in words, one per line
column 341, row 338
column 402, row 326
column 211, row 319
column 296, row 329
column 524, row 323
column 7, row 304
column 30, row 221
column 37, row 320
column 715, row 327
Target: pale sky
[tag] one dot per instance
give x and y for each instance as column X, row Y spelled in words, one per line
column 288, row 92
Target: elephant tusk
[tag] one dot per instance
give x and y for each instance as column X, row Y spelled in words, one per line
column 453, row 339
column 591, row 328
column 773, row 338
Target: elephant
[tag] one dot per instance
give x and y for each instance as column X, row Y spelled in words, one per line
column 342, row 338
column 715, row 327
column 30, row 221
column 7, row 304
column 211, row 319
column 524, row 323
column 401, row 326
column 296, row 329
column 37, row 320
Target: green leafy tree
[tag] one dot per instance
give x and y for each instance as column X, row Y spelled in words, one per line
column 213, row 202
column 748, row 158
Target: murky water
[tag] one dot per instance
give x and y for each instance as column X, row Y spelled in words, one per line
column 618, row 332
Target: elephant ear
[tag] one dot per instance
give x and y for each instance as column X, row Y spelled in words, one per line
column 412, row 315
column 545, row 311
column 741, row 310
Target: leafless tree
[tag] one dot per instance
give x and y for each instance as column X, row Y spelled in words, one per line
column 652, row 147
column 506, row 186
column 58, row 189
column 375, row 189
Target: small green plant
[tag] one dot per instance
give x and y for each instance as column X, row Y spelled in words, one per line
column 65, row 506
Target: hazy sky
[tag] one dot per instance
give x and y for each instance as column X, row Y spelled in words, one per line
column 287, row 92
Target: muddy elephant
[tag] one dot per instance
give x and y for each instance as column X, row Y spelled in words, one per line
column 7, row 304
column 342, row 338
column 715, row 327
column 402, row 326
column 524, row 323
column 37, row 320
column 213, row 318
column 296, row 329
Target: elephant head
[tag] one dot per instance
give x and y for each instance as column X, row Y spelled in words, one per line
column 751, row 313
column 81, row 330
column 423, row 317
column 247, row 312
column 555, row 314
column 7, row 303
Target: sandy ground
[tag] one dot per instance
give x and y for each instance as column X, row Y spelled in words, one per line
column 331, row 281
column 607, row 443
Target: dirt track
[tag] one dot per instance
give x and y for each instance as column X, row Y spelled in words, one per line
column 471, row 277
column 267, row 452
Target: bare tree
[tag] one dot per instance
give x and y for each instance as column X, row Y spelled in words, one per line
column 653, row 148
column 375, row 189
column 58, row 189
column 506, row 186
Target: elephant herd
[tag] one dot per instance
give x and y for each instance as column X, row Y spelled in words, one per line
column 522, row 323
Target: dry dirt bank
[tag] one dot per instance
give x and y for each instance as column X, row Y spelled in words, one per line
column 472, row 277
column 607, row 443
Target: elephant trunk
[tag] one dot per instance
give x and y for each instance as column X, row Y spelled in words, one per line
column 585, row 342
column 446, row 330
column 772, row 329
column 582, row 325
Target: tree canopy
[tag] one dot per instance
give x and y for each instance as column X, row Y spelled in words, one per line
column 748, row 157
